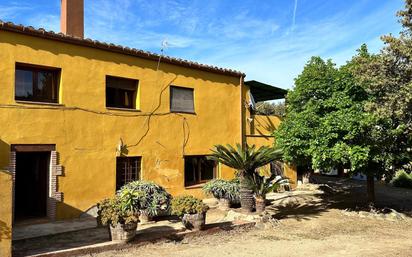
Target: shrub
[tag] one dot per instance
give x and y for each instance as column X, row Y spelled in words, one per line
column 188, row 205
column 116, row 210
column 223, row 189
column 154, row 198
column 262, row 185
column 402, row 179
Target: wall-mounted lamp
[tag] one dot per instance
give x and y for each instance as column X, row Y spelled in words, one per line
column 119, row 148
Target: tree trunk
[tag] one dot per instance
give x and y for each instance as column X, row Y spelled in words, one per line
column 246, row 196
column 370, row 182
column 341, row 172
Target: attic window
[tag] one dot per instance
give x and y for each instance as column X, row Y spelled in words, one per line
column 182, row 100
column 121, row 92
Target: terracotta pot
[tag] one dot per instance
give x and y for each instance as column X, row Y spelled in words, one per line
column 123, row 232
column 224, row 204
column 260, row 204
column 247, row 201
column 194, row 221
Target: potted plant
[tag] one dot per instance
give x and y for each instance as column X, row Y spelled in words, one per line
column 192, row 211
column 155, row 200
column 261, row 185
column 121, row 215
column 227, row 192
column 245, row 160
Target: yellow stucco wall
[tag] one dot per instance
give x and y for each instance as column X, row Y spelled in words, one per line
column 86, row 138
column 5, row 213
column 259, row 130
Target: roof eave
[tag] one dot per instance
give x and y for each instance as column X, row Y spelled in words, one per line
column 42, row 33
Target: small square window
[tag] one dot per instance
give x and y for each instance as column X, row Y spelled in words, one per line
column 121, row 92
column 181, row 99
column 127, row 170
column 198, row 169
column 37, row 84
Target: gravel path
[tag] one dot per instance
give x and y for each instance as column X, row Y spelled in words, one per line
column 329, row 234
column 310, row 224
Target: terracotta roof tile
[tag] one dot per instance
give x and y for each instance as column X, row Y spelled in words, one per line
column 40, row 32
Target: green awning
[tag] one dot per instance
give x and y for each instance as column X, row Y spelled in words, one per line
column 264, row 92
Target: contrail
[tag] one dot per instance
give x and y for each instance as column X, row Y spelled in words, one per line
column 294, row 15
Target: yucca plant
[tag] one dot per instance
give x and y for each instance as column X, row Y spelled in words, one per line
column 245, row 160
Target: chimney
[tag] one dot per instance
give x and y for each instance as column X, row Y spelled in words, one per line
column 72, row 18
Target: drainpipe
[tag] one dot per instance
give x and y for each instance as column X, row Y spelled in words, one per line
column 242, row 112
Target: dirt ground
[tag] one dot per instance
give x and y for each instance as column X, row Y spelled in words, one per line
column 310, row 224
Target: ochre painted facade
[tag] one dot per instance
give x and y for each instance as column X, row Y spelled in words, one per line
column 5, row 213
column 86, row 133
column 259, row 132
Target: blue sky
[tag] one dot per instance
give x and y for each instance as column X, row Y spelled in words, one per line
column 269, row 40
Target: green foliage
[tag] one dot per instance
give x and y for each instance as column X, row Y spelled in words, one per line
column 262, row 185
column 117, row 210
column 387, row 77
column 402, row 179
column 266, row 108
column 223, row 189
column 152, row 197
column 245, row 160
column 326, row 123
column 188, row 204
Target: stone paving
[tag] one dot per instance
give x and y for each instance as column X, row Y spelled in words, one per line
column 51, row 228
column 57, row 236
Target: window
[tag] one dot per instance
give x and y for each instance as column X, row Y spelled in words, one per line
column 198, row 169
column 37, row 84
column 127, row 170
column 181, row 100
column 121, row 92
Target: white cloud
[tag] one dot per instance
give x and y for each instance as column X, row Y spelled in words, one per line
column 262, row 46
column 295, row 8
column 48, row 22
column 11, row 10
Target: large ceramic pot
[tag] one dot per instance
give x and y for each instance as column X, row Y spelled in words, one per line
column 260, row 204
column 224, row 204
column 123, row 232
column 194, row 221
column 247, row 201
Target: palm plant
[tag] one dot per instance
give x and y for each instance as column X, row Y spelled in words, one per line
column 262, row 185
column 245, row 160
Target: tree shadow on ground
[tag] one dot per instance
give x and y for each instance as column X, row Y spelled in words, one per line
column 337, row 193
column 352, row 194
column 296, row 207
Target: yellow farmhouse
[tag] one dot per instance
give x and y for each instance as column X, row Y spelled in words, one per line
column 80, row 118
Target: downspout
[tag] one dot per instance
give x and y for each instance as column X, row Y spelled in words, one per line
column 242, row 112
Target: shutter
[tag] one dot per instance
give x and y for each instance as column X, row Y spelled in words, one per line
column 181, row 99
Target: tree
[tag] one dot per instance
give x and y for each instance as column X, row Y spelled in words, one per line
column 267, row 108
column 387, row 77
column 359, row 115
column 326, row 125
column 245, row 161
